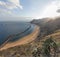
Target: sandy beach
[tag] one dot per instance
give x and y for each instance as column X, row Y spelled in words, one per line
column 23, row 40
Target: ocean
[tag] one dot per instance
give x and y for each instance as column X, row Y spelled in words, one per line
column 13, row 31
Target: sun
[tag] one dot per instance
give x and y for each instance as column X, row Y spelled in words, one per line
column 51, row 9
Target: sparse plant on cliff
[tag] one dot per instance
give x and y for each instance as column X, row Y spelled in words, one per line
column 37, row 52
column 50, row 48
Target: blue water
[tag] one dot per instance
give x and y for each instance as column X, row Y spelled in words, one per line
column 14, row 30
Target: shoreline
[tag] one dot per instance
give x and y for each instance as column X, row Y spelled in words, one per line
column 23, row 40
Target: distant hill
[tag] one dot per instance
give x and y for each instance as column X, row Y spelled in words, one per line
column 48, row 25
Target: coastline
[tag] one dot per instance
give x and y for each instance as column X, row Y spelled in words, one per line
column 23, row 40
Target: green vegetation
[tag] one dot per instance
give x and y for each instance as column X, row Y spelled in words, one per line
column 50, row 48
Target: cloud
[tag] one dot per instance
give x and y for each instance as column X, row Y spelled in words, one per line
column 51, row 9
column 58, row 11
column 8, row 6
column 11, row 4
column 16, row 3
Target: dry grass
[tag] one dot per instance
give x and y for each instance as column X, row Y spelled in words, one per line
column 27, row 49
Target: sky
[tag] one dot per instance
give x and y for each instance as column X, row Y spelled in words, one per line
column 22, row 9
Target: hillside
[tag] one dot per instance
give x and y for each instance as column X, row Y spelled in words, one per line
column 48, row 25
column 49, row 28
column 27, row 49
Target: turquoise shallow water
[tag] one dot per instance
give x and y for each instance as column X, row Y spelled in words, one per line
column 14, row 30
